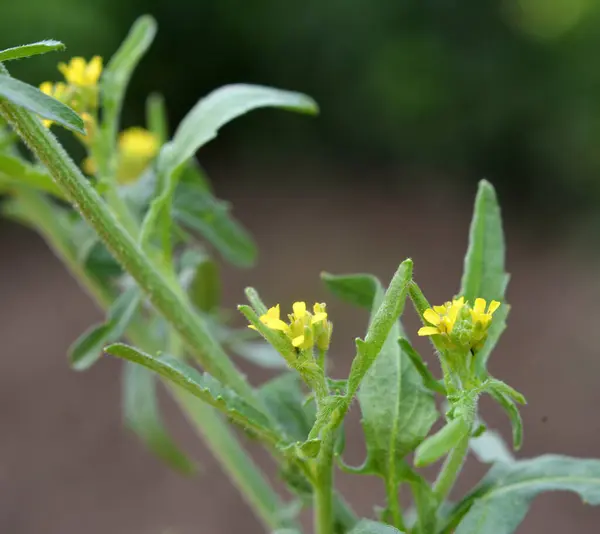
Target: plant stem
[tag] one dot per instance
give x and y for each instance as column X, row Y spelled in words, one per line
column 86, row 200
column 393, row 505
column 451, row 469
column 323, row 489
column 221, row 441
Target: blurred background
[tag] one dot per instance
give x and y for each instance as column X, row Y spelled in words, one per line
column 419, row 100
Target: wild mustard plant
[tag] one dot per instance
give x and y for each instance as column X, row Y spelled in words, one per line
column 129, row 232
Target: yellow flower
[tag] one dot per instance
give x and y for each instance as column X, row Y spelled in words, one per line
column 460, row 324
column 479, row 315
column 81, row 74
column 137, row 148
column 442, row 318
column 303, row 327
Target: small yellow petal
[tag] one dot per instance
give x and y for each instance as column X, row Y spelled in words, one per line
column 431, row 317
column 46, row 88
column 252, row 327
column 494, row 305
column 297, row 341
column 272, row 313
column 479, row 306
column 93, row 70
column 428, row 331
column 318, row 318
column 460, row 301
column 439, row 309
column 276, row 324
column 299, row 309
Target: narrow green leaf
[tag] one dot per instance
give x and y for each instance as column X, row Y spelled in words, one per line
column 156, row 117
column 383, row 321
column 397, row 411
column 284, row 399
column 443, row 441
column 513, row 414
column 32, row 49
column 20, row 172
column 491, row 448
column 88, row 347
column 117, row 74
column 484, row 271
column 221, row 106
column 357, row 289
column 203, row 386
column 428, row 379
column 500, row 502
column 199, row 276
column 32, row 99
column 366, row 526
column 196, row 208
column 142, row 416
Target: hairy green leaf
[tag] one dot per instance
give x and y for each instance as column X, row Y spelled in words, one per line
column 397, row 411
column 88, row 347
column 513, row 414
column 196, row 208
column 19, row 172
column 203, row 386
column 484, row 271
column 503, row 497
column 358, row 289
column 142, row 416
column 221, row 106
column 32, row 99
column 366, row 526
column 444, row 440
column 32, row 49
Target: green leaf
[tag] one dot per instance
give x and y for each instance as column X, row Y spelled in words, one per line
column 17, row 171
column 199, row 276
column 203, row 386
column 366, row 526
column 491, row 448
column 32, row 99
column 156, row 117
column 500, row 502
column 513, row 414
column 284, row 399
column 32, row 49
column 88, row 347
column 357, row 289
column 117, row 74
column 142, row 416
column 443, row 441
column 383, row 321
column 221, row 106
column 196, row 208
column 397, row 411
column 484, row 271
column 428, row 379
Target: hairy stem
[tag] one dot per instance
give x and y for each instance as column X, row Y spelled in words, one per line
column 451, row 469
column 323, row 490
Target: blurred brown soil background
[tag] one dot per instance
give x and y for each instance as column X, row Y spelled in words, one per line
column 68, row 466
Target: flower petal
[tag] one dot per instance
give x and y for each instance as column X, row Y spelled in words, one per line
column 276, row 324
column 431, row 317
column 252, row 327
column 318, row 318
column 439, row 309
column 494, row 305
column 479, row 306
column 297, row 341
column 299, row 309
column 428, row 331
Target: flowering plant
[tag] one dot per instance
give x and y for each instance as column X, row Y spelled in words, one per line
column 128, row 231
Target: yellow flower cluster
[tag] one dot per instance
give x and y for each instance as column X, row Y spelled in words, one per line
column 459, row 322
column 304, row 329
column 81, row 88
column 136, row 148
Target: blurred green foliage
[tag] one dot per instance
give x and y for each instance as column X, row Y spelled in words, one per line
column 508, row 89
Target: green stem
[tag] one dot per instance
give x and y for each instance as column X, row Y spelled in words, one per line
column 451, row 469
column 323, row 489
column 393, row 504
column 84, row 197
column 221, row 441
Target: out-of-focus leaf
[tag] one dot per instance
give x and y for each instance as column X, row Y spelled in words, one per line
column 366, row 526
column 201, row 385
column 20, row 172
column 32, row 99
column 490, row 448
column 142, row 416
column 260, row 353
column 88, row 347
column 32, row 49
column 500, row 502
column 156, row 117
column 358, row 289
column 199, row 276
column 218, row 108
column 197, row 209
